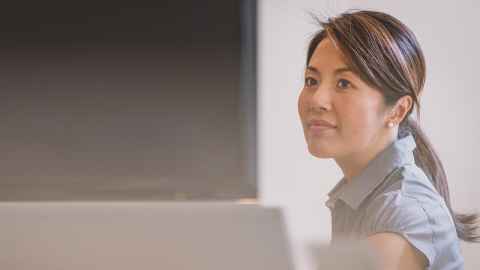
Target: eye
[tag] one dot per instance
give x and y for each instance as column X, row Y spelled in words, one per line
column 343, row 84
column 309, row 81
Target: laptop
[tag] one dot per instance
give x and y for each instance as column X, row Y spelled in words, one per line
column 142, row 235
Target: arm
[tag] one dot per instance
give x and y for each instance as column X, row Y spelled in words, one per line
column 395, row 253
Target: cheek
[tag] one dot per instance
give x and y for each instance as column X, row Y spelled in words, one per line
column 360, row 118
column 302, row 104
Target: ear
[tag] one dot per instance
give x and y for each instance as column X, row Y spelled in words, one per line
column 400, row 110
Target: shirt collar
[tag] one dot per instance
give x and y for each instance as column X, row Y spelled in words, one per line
column 396, row 154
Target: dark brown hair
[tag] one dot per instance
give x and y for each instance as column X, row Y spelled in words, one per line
column 385, row 54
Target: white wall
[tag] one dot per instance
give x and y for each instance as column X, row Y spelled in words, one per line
column 289, row 177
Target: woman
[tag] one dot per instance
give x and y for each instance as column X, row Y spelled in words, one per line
column 364, row 74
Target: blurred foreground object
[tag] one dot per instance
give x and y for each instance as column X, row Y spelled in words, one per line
column 345, row 256
column 142, row 235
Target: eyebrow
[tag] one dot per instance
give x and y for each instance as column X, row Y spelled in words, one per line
column 337, row 71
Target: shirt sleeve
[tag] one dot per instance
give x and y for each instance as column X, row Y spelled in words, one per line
column 418, row 222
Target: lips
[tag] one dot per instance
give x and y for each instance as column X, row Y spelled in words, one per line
column 318, row 123
column 320, row 127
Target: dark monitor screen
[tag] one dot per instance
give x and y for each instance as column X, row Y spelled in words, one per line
column 128, row 100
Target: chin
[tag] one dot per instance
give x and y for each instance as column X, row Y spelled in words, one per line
column 320, row 152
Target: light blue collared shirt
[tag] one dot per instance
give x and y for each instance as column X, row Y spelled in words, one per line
column 393, row 195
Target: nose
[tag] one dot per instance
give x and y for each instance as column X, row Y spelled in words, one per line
column 321, row 99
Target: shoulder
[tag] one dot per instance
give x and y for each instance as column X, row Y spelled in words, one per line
column 412, row 182
column 410, row 207
column 395, row 252
column 408, row 188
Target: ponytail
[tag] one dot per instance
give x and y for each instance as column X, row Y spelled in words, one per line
column 467, row 225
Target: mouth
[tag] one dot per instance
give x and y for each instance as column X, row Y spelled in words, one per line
column 320, row 130
column 320, row 126
column 320, row 123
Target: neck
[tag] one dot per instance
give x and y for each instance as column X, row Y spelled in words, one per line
column 355, row 162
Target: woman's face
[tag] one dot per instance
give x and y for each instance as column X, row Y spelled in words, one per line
column 340, row 114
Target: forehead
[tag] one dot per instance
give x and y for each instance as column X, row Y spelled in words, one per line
column 327, row 56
